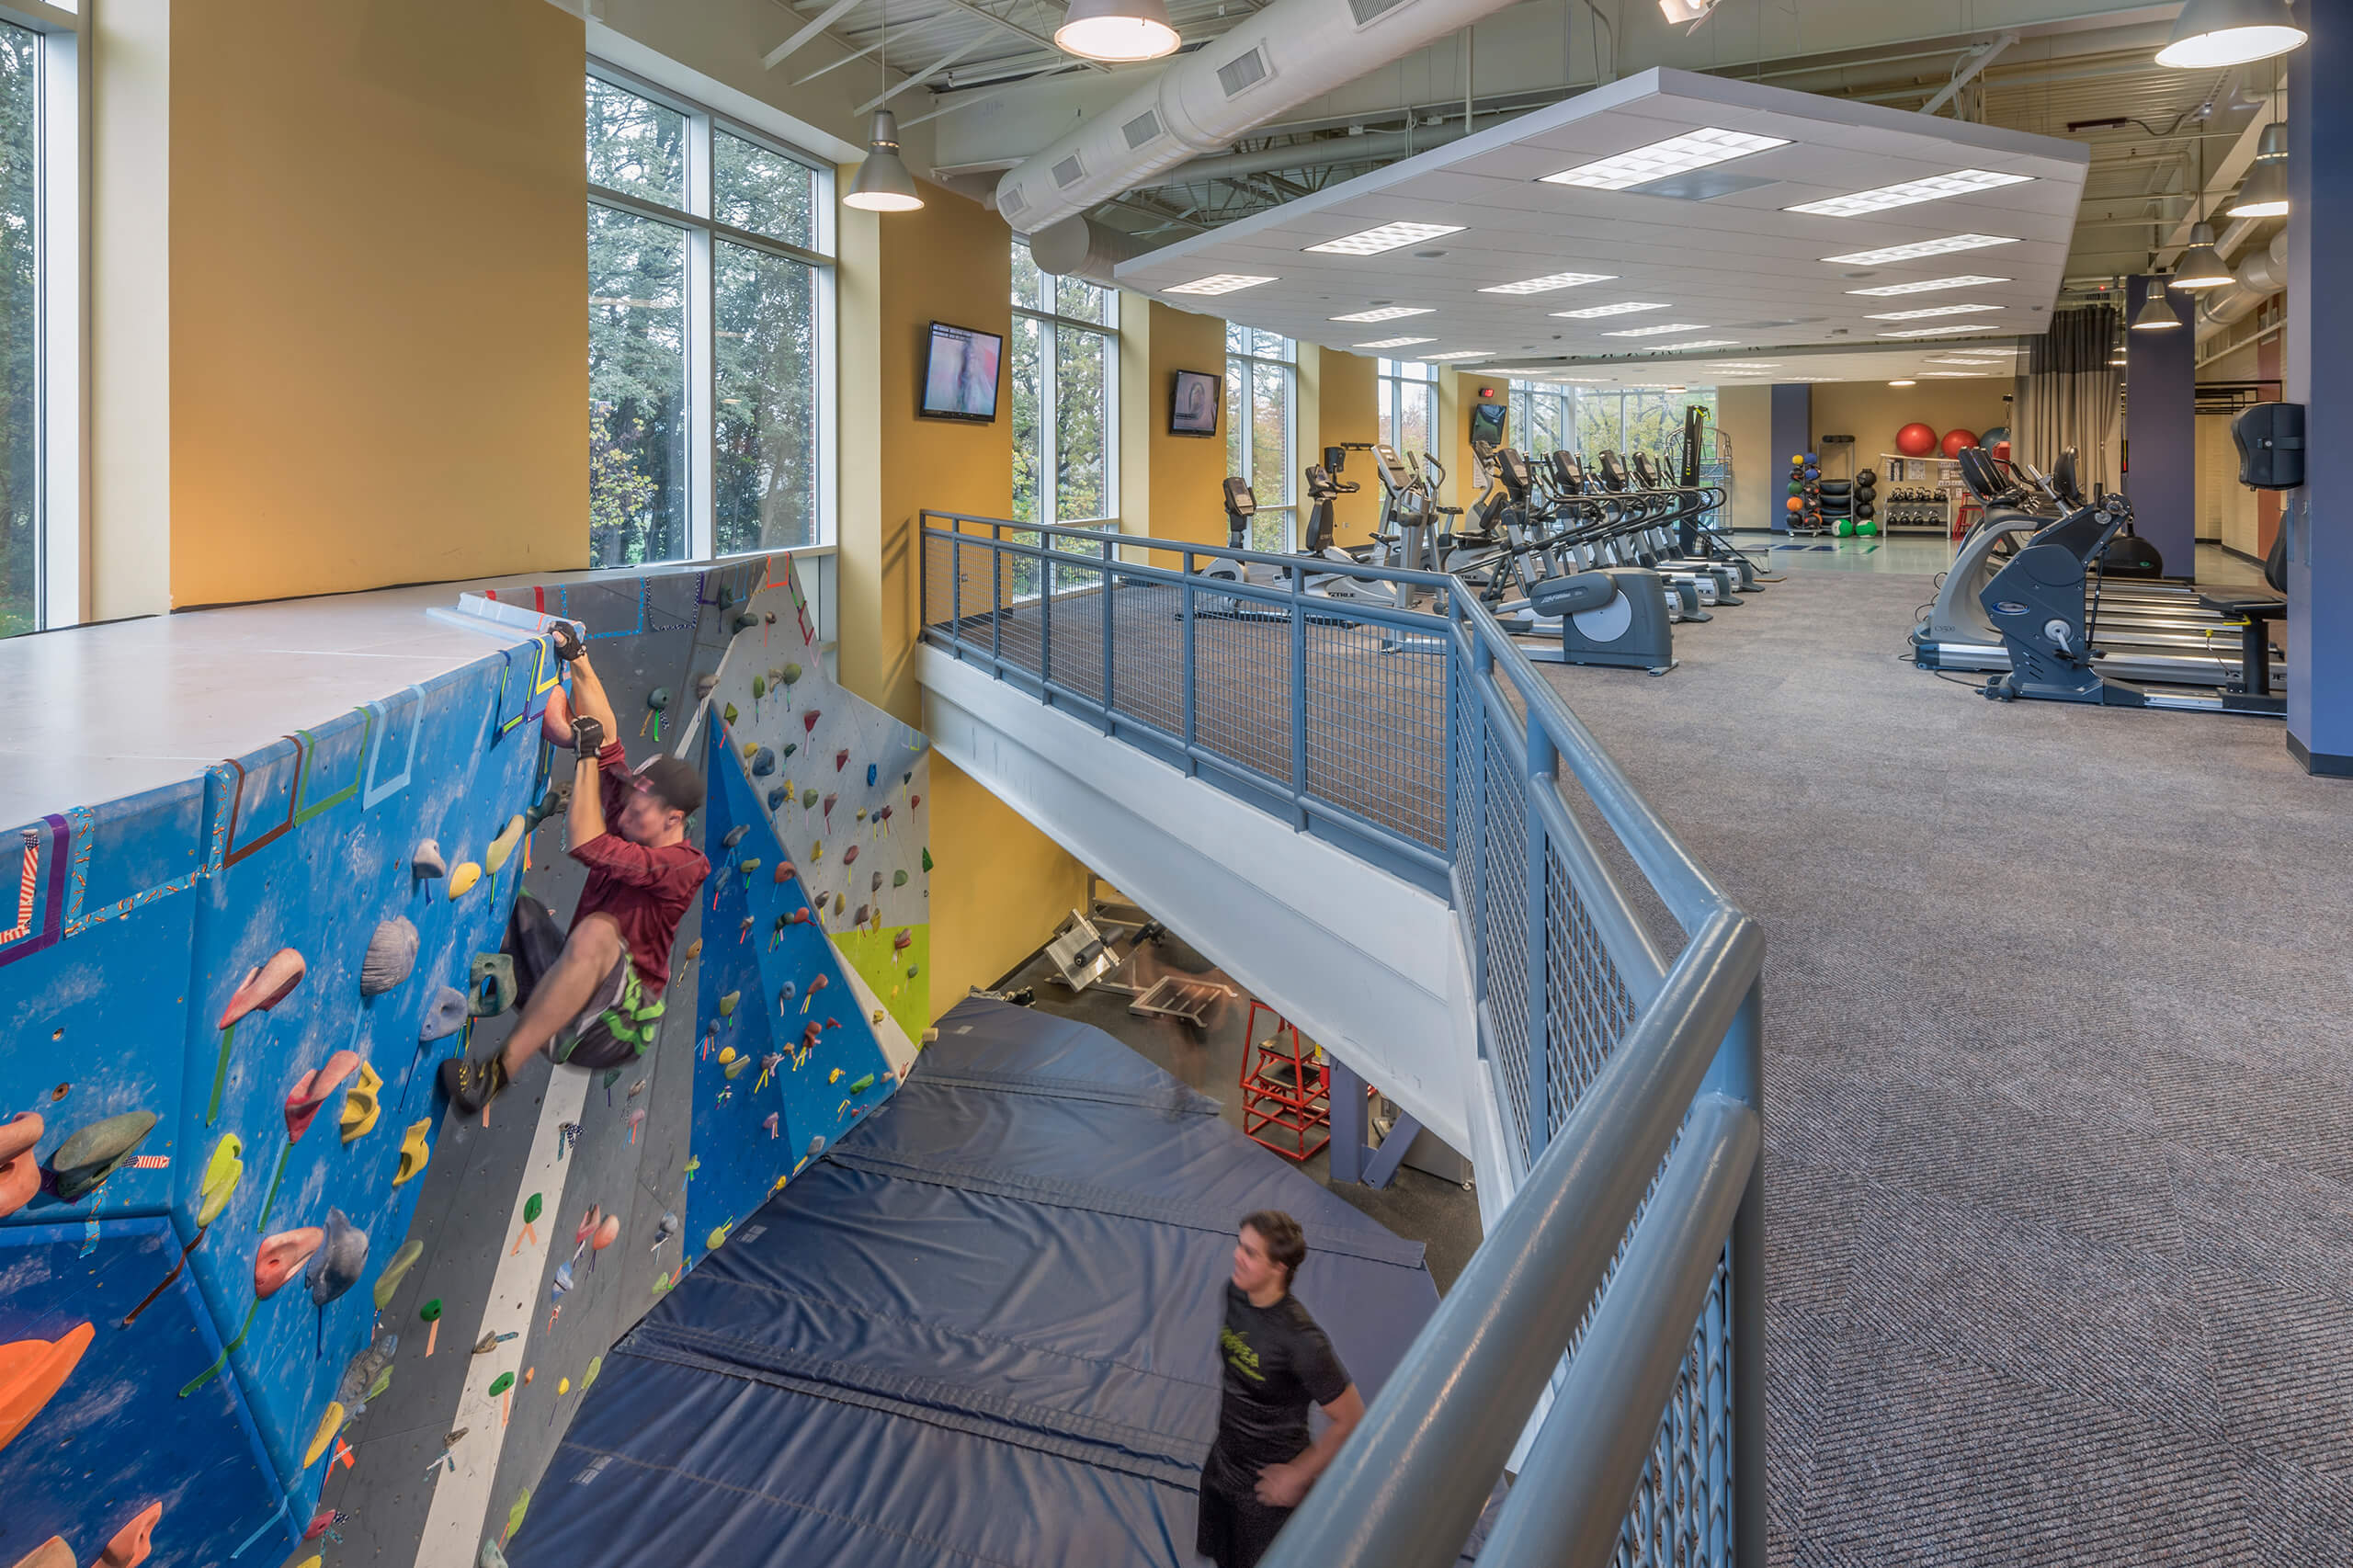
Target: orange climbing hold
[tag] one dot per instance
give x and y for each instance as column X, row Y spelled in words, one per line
column 32, row 1370
column 132, row 1543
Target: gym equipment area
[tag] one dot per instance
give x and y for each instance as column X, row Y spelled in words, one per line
column 1322, row 784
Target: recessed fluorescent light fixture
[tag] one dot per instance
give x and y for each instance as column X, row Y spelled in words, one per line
column 1676, row 154
column 1926, row 310
column 1944, row 375
column 1393, row 342
column 1965, row 280
column 1659, row 331
column 1910, row 192
column 1937, row 330
column 1547, row 284
column 1389, row 313
column 1594, row 312
column 1919, row 248
column 1902, row 384
column 1464, row 353
column 1966, row 360
column 1388, row 236
column 1217, row 283
column 1700, row 343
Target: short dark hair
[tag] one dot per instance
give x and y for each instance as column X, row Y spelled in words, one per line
column 1286, row 1243
column 676, row 781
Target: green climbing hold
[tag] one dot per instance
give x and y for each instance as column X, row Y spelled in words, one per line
column 659, row 698
column 596, row 1365
column 736, row 1066
column 727, row 1004
column 899, row 879
column 791, row 747
column 502, row 1382
column 728, row 712
column 531, row 1208
column 515, row 1514
column 383, row 1380
column 914, row 970
column 808, row 799
column 759, row 686
column 926, row 860
column 862, row 1084
column 791, row 674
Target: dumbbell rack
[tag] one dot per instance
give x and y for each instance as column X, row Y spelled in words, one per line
column 1939, row 476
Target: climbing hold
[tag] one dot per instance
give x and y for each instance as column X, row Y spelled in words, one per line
column 265, row 985
column 749, row 867
column 391, row 951
column 494, row 855
column 606, row 1233
column 763, row 763
column 694, row 948
column 838, row 902
column 926, row 860
column 809, row 720
column 759, row 687
column 330, row 1422
column 816, row 1147
column 877, row 1018
column 862, row 1084
column 789, row 748
column 726, row 1054
column 898, row 879
column 849, row 856
column 390, row 1279
column 735, row 1068
column 718, row 1234
column 875, row 884
column 563, row 1385
column 51, row 1553
column 913, row 800
column 658, row 699
column 546, row 807
column 336, row 1268
column 869, row 775
column 912, row 970
column 502, row 1382
column 19, row 1170
column 413, row 1153
column 281, row 1256
column 84, row 1161
column 491, row 976
column 728, row 712
column 829, row 809
column 444, row 1016
column 359, row 1106
column 779, row 795
column 784, row 870
column 745, row 621
column 705, row 686
column 834, row 1076
column 464, row 877
column 596, row 1365
column 785, row 992
column 727, row 1004
column 310, row 1090
column 490, row 1556
column 735, row 836
column 858, row 916
column 808, row 799
column 769, row 1122
column 128, row 1546
column 360, row 1373
column 900, row 943
column 32, row 1371
column 425, row 863
column 841, row 759
column 222, row 1174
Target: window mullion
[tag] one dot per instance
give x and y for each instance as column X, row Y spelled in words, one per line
column 1049, row 405
column 702, row 357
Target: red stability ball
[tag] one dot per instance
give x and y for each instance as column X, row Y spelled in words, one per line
column 1957, row 441
column 1916, row 441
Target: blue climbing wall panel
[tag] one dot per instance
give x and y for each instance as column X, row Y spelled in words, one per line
column 789, row 1032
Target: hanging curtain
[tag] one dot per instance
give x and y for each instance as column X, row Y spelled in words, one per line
column 2069, row 396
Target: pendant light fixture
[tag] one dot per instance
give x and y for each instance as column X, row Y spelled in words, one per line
column 1117, row 31
column 2209, row 33
column 2200, row 267
column 2264, row 192
column 884, row 184
column 2156, row 311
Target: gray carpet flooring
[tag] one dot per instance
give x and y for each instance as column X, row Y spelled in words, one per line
column 2060, row 1099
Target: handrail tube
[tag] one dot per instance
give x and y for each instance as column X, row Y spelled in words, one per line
column 1569, row 1505
column 1689, row 893
column 1624, row 937
column 1316, row 564
column 1424, row 1461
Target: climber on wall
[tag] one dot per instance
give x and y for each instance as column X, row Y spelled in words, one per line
column 598, row 1002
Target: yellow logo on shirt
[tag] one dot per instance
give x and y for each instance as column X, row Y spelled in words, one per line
column 1239, row 1356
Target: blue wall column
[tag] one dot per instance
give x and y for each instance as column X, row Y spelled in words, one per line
column 2161, row 429
column 2319, row 343
column 1792, row 432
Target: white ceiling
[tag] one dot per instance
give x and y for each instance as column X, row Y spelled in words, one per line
column 1997, row 358
column 1737, row 265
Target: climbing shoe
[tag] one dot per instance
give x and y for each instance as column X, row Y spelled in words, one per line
column 471, row 1084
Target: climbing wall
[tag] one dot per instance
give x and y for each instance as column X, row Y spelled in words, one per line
column 263, row 1300
column 218, row 998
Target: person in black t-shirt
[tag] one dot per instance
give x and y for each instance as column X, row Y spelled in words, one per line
column 1275, row 1363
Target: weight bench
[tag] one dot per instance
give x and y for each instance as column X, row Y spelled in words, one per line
column 2258, row 607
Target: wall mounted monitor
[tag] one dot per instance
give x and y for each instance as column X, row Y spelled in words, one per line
column 1193, row 404
column 1487, row 425
column 960, row 374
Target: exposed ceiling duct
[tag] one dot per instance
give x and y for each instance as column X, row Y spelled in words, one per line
column 1288, row 53
column 2258, row 276
column 1081, row 247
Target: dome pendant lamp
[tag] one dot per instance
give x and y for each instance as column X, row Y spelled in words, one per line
column 1117, row 31
column 2211, row 33
column 2200, row 267
column 2156, row 311
column 884, row 184
column 2264, row 192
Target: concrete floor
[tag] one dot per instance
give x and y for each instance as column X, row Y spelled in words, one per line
column 1442, row 1215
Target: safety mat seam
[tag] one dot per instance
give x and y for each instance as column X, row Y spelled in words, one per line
column 708, row 1278
column 1175, row 1098
column 1090, row 1440
column 1375, row 1247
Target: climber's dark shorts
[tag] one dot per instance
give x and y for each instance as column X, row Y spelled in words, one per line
column 620, row 1022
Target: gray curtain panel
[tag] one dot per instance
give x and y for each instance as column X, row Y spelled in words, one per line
column 2070, row 396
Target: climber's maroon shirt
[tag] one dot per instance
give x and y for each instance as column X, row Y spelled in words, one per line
column 645, row 891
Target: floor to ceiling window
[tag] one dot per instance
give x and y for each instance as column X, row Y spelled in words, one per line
column 709, row 318
column 1625, row 420
column 1407, row 391
column 1065, row 374
column 40, row 557
column 1261, row 398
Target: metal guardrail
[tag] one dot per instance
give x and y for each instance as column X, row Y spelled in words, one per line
column 1416, row 734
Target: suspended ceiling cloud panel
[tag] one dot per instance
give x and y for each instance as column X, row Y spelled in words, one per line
column 1737, row 265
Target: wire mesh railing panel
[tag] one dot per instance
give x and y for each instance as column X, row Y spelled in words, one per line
column 1148, row 663
column 940, row 583
column 1503, row 929
column 1376, row 729
column 1587, row 1009
column 1680, row 1515
column 1011, row 582
column 1241, row 694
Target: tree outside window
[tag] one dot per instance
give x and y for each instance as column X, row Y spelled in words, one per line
column 1261, row 383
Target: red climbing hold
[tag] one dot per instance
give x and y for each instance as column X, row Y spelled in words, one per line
column 809, row 720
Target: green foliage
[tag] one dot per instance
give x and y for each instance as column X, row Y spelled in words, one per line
column 19, row 333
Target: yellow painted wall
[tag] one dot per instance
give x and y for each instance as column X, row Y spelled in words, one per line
column 1349, row 410
column 1745, row 419
column 1872, row 412
column 998, row 886
column 1168, row 484
column 375, row 270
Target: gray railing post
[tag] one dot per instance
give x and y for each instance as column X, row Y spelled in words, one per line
column 1473, row 714
column 1298, row 704
column 1187, row 629
column 1542, row 760
column 996, row 601
column 1739, row 1071
column 1106, row 548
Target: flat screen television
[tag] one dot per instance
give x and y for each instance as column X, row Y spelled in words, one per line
column 1193, row 404
column 1487, row 425
column 960, row 374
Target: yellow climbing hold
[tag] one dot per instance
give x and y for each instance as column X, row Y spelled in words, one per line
column 834, row 1076
column 878, row 1012
column 563, row 1385
column 359, row 1106
column 329, row 1424
column 588, row 1378
column 222, row 1174
column 502, row 846
column 464, row 877
column 718, row 1234
column 515, row 1514
column 726, row 1054
column 413, row 1153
